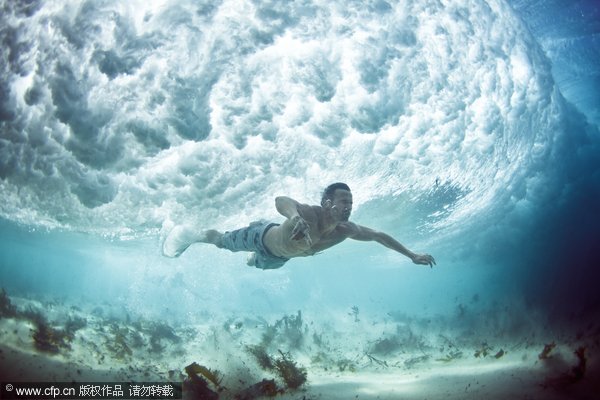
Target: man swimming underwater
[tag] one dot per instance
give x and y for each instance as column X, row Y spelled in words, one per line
column 306, row 231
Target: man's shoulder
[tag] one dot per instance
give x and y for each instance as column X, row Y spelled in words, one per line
column 347, row 228
column 311, row 214
column 310, row 211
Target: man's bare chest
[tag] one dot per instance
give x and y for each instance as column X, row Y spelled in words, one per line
column 325, row 241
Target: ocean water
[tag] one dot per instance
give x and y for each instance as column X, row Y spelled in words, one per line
column 467, row 129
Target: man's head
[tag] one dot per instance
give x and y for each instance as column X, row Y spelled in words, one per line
column 337, row 199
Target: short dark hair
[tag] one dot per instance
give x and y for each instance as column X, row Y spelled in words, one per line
column 330, row 190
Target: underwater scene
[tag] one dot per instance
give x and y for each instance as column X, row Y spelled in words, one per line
column 466, row 129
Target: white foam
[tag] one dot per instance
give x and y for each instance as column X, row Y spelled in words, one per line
column 211, row 112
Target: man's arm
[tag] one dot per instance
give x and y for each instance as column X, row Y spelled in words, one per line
column 291, row 209
column 367, row 234
column 287, row 206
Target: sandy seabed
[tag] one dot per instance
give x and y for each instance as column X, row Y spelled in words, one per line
column 343, row 356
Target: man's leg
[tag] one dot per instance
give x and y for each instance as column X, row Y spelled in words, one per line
column 181, row 237
column 244, row 239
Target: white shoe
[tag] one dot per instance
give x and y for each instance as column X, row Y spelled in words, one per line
column 251, row 260
column 178, row 240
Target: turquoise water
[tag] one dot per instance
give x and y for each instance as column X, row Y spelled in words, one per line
column 466, row 129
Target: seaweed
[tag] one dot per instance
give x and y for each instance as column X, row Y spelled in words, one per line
column 578, row 371
column 451, row 356
column 136, row 339
column 262, row 357
column 197, row 385
column 74, row 324
column 292, row 375
column 291, row 329
column 318, row 339
column 483, row 351
column 213, row 376
column 354, row 314
column 574, row 375
column 268, row 336
column 50, row 340
column 381, row 363
column 7, row 309
column 545, row 354
column 156, row 345
column 326, row 360
column 287, row 330
column 46, row 338
column 499, row 354
column 160, row 332
column 385, row 346
column 32, row 315
column 117, row 345
column 346, row 364
column 411, row 362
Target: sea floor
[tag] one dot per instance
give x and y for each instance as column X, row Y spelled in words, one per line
column 326, row 355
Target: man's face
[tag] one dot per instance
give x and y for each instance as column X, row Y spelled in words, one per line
column 341, row 205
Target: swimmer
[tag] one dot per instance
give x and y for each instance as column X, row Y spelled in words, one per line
column 307, row 230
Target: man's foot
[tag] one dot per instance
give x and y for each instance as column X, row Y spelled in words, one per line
column 181, row 237
column 177, row 241
column 251, row 260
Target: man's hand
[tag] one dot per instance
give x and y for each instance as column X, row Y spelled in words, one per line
column 424, row 259
column 301, row 230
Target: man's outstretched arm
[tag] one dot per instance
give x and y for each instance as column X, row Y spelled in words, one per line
column 367, row 234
